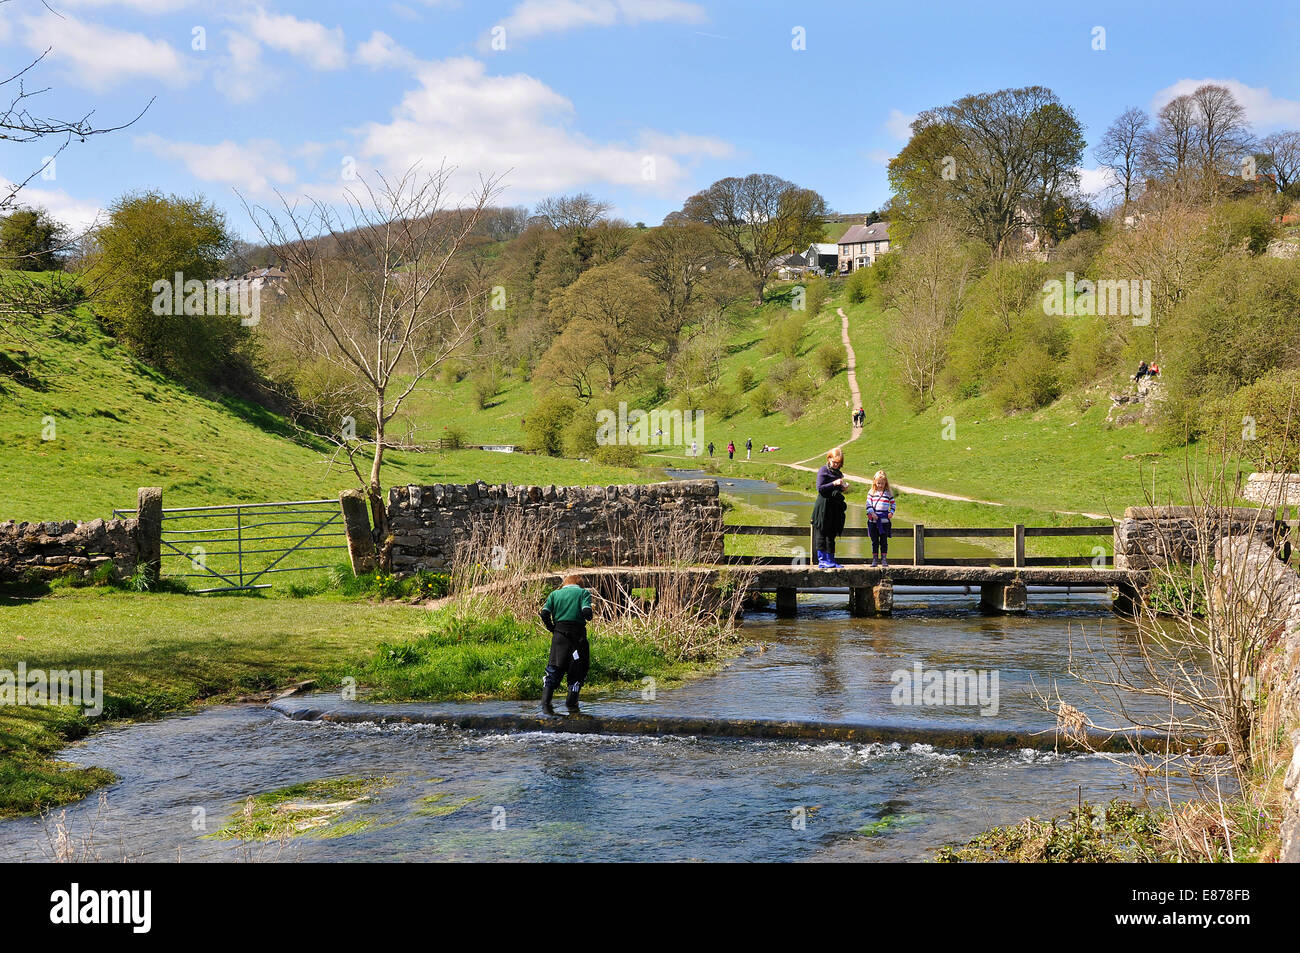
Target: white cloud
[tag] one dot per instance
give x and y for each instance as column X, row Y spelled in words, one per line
column 880, row 156
column 537, row 17
column 100, row 56
column 1094, row 182
column 1263, row 109
column 381, row 51
column 144, row 6
column 243, row 76
column 317, row 45
column 899, row 124
column 518, row 125
column 255, row 167
column 77, row 214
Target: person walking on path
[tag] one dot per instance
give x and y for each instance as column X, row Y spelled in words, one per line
column 749, row 446
column 565, row 615
column 731, row 449
column 880, row 515
column 710, row 449
column 829, row 510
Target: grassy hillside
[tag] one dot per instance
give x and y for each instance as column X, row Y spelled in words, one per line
column 1064, row 457
column 117, row 425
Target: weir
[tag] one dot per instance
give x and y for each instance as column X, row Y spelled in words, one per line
column 307, row 709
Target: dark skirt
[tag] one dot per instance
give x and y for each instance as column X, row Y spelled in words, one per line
column 828, row 514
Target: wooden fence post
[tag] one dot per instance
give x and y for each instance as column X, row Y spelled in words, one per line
column 1020, row 544
column 918, row 544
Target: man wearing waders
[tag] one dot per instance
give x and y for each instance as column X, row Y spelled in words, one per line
column 565, row 615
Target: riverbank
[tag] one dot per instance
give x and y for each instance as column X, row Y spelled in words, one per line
column 163, row 653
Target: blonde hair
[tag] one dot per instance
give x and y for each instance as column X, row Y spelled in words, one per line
column 880, row 475
column 837, row 453
column 573, row 579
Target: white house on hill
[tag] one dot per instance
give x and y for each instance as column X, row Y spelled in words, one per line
column 860, row 245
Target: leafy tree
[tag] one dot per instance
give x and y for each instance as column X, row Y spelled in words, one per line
column 996, row 164
column 609, row 316
column 30, row 240
column 678, row 259
column 151, row 237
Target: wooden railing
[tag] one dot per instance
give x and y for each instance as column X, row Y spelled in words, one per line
column 920, row 533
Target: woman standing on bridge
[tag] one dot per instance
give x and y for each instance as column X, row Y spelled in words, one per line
column 828, row 512
column 880, row 516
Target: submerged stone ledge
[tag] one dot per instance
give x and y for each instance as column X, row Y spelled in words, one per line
column 994, row 739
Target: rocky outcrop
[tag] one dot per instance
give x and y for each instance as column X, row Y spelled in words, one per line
column 592, row 525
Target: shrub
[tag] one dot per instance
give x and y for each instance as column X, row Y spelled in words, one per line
column 454, row 438
column 763, row 400
column 829, row 359
column 744, row 379
column 544, row 427
column 454, row 370
column 580, row 433
column 618, row 456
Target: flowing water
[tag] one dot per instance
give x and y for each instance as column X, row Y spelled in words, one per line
column 537, row 796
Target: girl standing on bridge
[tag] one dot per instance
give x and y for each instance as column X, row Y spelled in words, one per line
column 880, row 515
column 828, row 512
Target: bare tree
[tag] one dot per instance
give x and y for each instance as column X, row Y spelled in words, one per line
column 380, row 311
column 1281, row 151
column 927, row 288
column 1204, row 678
column 1120, row 150
column 757, row 218
column 1222, row 135
column 679, row 260
column 1169, row 147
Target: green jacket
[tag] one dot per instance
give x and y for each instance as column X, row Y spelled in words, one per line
column 566, row 604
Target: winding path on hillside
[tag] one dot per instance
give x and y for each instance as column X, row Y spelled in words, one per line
column 855, row 394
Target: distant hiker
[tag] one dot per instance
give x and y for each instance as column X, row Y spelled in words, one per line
column 694, row 452
column 749, row 445
column 1143, row 370
column 880, row 516
column 731, row 449
column 565, row 615
column 710, row 449
column 829, row 510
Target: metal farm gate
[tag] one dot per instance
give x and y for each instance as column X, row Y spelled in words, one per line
column 235, row 545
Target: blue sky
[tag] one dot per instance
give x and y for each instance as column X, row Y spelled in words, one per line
column 637, row 101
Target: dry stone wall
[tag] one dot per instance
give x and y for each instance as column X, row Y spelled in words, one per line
column 593, row 525
column 1150, row 537
column 43, row 550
